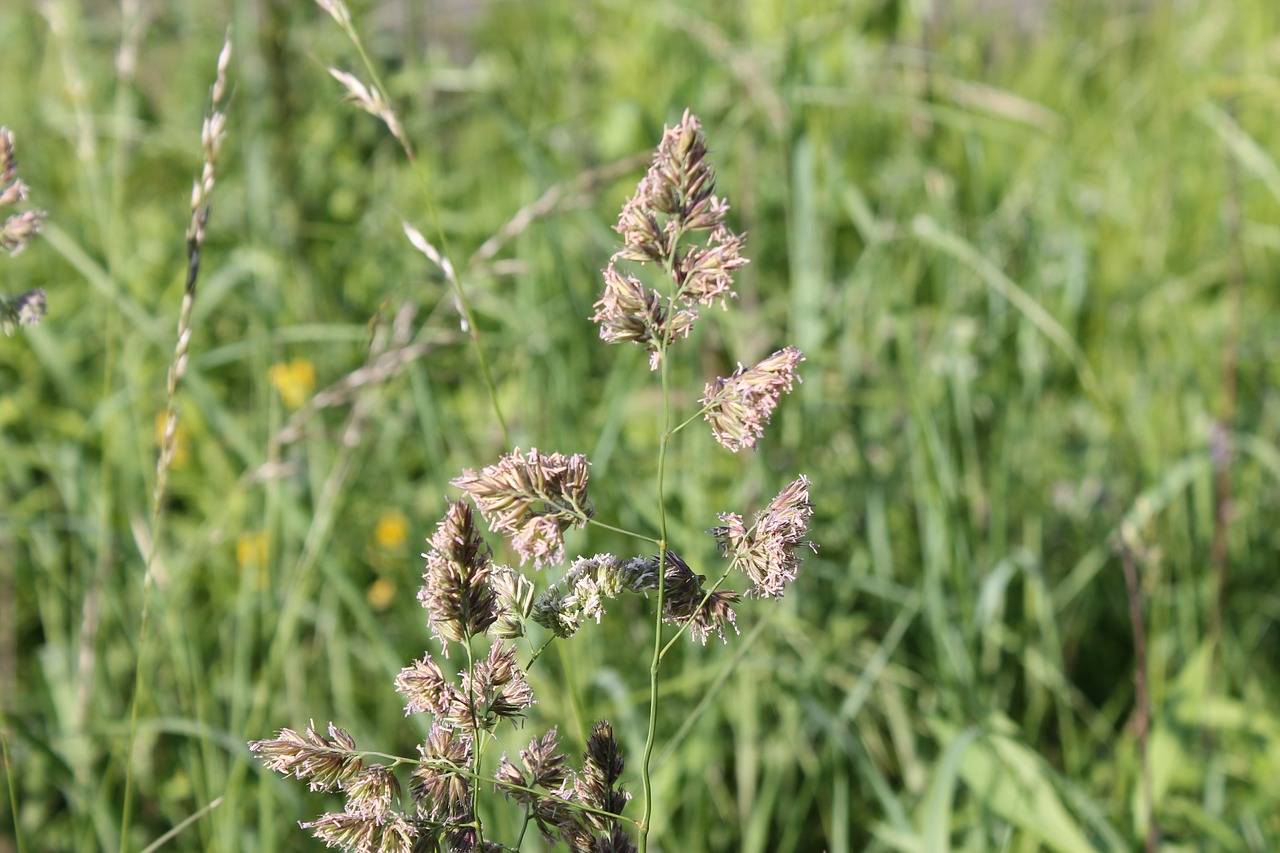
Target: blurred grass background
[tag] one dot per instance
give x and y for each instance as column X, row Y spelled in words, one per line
column 1030, row 250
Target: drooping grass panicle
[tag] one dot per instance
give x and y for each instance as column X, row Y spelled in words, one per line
column 533, row 498
column 325, row 764
column 739, row 406
column 769, row 552
column 460, row 602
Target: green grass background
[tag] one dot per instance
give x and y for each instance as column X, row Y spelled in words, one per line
column 1022, row 249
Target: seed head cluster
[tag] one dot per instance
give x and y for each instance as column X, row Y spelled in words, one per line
column 532, row 499
column 739, row 406
column 674, row 201
column 769, row 551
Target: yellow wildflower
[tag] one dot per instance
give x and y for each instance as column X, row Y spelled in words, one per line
column 392, row 530
column 380, row 594
column 251, row 549
column 295, row 380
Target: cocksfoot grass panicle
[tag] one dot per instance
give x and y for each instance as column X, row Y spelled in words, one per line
column 769, row 552
column 532, row 499
column 739, row 406
column 675, row 201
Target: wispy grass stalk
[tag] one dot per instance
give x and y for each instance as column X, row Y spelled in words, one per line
column 374, row 99
column 1126, row 543
column 211, row 136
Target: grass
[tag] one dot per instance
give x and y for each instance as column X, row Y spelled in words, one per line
column 1021, row 269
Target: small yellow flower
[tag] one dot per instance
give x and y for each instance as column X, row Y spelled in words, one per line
column 181, row 439
column 392, row 530
column 295, row 380
column 251, row 549
column 380, row 594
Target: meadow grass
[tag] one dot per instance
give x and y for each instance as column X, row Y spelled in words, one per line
column 1029, row 265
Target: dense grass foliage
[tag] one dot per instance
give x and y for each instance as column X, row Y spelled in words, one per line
column 1029, row 251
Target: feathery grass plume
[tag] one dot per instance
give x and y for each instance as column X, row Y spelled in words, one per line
column 441, row 791
column 534, row 498
column 426, row 689
column 581, row 593
column 686, row 602
column 363, row 834
column 739, row 406
column 325, row 764
column 455, row 591
column 496, row 689
column 24, row 309
column 769, row 550
column 515, row 602
column 676, row 198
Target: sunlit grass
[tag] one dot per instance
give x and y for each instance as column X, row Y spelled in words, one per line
column 1015, row 264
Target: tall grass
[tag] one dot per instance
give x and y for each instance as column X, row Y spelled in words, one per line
column 1021, row 269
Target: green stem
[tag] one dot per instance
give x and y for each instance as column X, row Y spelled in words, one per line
column 476, row 749
column 623, row 532
column 455, row 280
column 655, row 665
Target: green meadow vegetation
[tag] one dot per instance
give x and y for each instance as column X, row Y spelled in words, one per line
column 1029, row 251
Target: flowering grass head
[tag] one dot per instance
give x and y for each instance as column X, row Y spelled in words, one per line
column 738, row 407
column 676, row 222
column 673, row 202
column 769, row 552
column 533, row 498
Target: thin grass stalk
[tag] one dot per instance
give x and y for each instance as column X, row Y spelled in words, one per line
column 1142, row 712
column 1220, row 451
column 655, row 665
column 11, row 783
column 376, row 103
column 211, row 139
